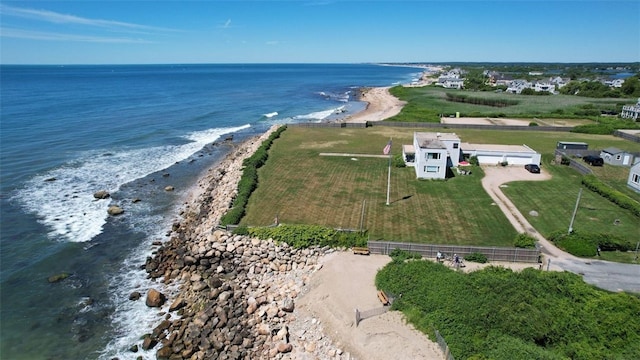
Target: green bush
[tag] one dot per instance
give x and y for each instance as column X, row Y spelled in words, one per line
column 241, row 230
column 594, row 184
column 473, row 160
column 398, row 161
column 533, row 123
column 304, row 236
column 585, row 244
column 402, row 255
column 496, row 313
column 525, row 241
column 477, row 258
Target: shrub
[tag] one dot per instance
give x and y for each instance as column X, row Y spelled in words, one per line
column 476, row 257
column 303, row 236
column 585, row 244
column 241, row 230
column 504, row 163
column 533, row 123
column 402, row 255
column 473, row 160
column 525, row 241
column 398, row 161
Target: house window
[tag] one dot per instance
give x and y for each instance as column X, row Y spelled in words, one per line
column 636, row 178
column 433, row 156
column 618, row 157
column 432, row 169
column 455, row 145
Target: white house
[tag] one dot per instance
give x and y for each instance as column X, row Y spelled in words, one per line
column 631, row 111
column 634, row 177
column 491, row 154
column 517, row 86
column 435, row 153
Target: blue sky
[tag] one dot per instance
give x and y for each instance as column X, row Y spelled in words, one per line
column 143, row 32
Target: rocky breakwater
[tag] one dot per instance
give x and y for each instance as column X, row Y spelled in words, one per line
column 233, row 296
column 236, row 299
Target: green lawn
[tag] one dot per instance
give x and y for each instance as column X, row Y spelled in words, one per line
column 423, row 101
column 300, row 186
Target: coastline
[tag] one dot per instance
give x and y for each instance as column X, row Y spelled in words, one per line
column 201, row 263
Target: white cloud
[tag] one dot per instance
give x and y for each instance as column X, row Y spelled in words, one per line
column 227, row 24
column 51, row 36
column 273, row 42
column 58, row 18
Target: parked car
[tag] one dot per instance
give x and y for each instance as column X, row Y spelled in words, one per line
column 593, row 160
column 532, row 168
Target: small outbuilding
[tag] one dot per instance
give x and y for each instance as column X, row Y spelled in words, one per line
column 572, row 145
column 615, row 156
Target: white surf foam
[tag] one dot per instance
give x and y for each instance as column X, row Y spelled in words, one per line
column 62, row 198
column 271, row 114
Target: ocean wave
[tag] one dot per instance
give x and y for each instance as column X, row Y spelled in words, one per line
column 270, row 115
column 62, row 198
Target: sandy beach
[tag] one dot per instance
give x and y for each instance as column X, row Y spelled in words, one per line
column 380, row 105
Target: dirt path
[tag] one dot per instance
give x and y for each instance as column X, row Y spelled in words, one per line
column 497, row 177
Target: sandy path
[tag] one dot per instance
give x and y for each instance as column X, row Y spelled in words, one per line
column 381, row 105
column 346, row 282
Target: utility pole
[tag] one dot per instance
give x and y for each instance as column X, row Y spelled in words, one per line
column 575, row 210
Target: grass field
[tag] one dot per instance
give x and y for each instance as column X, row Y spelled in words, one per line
column 423, row 101
column 300, row 186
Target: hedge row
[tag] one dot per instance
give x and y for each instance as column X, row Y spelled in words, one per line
column 480, row 101
column 594, row 184
column 249, row 180
column 586, row 244
column 304, row 236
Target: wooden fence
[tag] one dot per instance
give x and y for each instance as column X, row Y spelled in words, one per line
column 577, row 164
column 430, row 251
column 627, row 136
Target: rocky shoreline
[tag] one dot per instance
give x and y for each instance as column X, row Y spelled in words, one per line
column 236, row 295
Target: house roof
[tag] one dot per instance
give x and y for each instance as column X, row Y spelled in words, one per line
column 408, row 149
column 612, row 150
column 467, row 147
column 432, row 140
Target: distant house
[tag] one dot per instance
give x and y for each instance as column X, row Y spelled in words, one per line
column 517, row 86
column 544, row 86
column 434, row 153
column 631, row 111
column 615, row 156
column 634, row 177
column 450, row 82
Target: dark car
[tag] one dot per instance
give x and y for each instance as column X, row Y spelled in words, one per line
column 532, row 168
column 593, row 160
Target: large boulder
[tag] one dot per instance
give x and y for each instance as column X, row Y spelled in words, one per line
column 114, row 210
column 102, row 194
column 155, row 298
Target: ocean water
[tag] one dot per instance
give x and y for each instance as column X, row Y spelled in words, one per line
column 69, row 131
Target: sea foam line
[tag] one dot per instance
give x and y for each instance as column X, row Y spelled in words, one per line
column 62, row 198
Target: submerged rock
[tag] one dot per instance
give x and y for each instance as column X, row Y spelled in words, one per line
column 102, row 194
